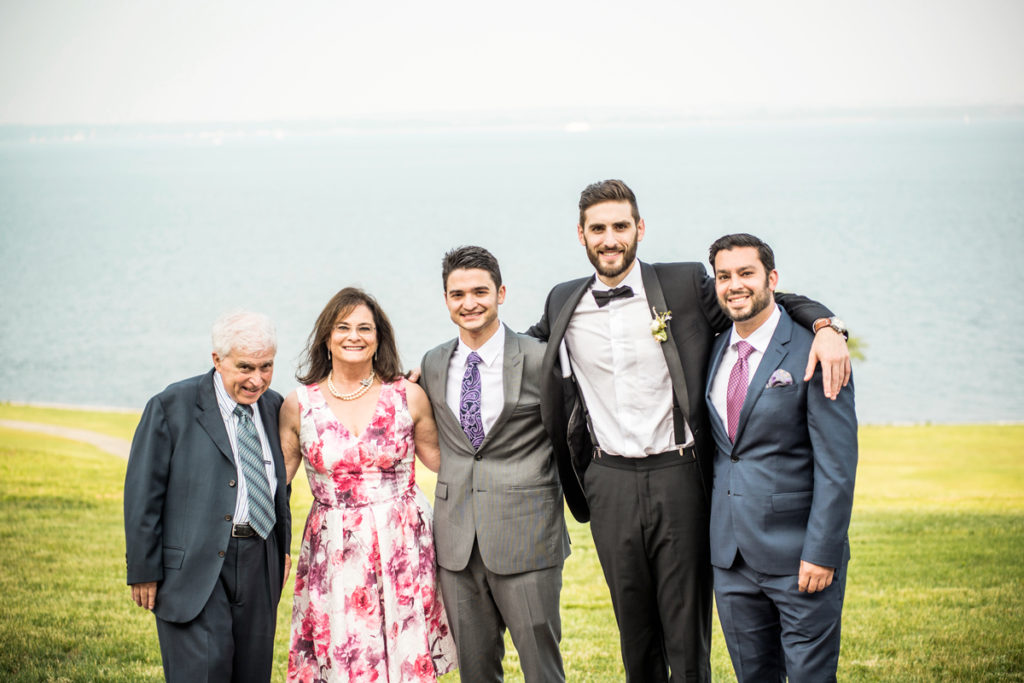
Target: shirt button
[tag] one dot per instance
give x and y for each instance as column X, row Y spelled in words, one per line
column 478, row 457
column 231, row 483
column 227, row 518
column 220, row 554
column 734, row 459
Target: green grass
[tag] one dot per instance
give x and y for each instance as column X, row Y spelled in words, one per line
column 119, row 424
column 935, row 589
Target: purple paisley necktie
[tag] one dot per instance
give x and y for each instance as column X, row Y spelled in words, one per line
column 737, row 390
column 469, row 403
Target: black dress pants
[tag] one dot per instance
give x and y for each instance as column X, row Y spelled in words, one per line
column 649, row 520
column 232, row 639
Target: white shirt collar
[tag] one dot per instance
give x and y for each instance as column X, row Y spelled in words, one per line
column 490, row 350
column 762, row 336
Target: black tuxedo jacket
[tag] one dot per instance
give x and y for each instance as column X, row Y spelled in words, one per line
column 682, row 288
column 179, row 496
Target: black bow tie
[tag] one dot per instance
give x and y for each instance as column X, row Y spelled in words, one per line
column 603, row 297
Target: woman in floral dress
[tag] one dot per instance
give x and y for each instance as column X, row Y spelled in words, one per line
column 367, row 602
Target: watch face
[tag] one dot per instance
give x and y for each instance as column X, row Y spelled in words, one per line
column 837, row 323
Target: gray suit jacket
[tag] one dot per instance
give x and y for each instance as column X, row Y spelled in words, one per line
column 784, row 490
column 179, row 496
column 505, row 496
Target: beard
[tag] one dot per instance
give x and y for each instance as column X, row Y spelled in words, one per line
column 628, row 256
column 759, row 300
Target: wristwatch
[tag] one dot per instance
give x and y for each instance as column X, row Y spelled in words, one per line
column 833, row 322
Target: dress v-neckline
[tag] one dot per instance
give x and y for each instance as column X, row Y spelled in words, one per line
column 334, row 415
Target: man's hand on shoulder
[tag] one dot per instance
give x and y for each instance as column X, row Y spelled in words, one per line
column 144, row 594
column 829, row 349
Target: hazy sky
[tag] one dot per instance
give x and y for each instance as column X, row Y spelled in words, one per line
column 118, row 61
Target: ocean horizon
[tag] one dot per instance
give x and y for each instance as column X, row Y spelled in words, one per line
column 118, row 249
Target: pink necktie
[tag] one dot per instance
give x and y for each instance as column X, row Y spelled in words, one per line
column 737, row 391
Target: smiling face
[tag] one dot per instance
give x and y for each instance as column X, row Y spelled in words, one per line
column 745, row 290
column 473, row 299
column 246, row 374
column 354, row 336
column 611, row 236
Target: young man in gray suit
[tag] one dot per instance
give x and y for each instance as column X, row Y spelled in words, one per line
column 499, row 526
column 785, row 463
column 206, row 518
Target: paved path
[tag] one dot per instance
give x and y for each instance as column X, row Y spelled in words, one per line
column 110, row 444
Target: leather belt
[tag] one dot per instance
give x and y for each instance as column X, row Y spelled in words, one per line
column 242, row 531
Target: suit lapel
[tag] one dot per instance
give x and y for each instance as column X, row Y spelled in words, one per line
column 209, row 417
column 437, row 381
column 511, row 382
column 656, row 298
column 770, row 361
column 719, row 428
column 565, row 315
column 556, row 337
column 274, row 439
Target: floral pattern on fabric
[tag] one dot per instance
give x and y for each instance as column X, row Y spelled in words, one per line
column 367, row 602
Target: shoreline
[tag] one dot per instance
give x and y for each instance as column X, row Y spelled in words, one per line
column 127, row 411
column 71, row 406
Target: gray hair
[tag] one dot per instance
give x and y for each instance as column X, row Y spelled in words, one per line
column 243, row 330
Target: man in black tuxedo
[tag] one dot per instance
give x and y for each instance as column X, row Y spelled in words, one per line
column 622, row 397
column 207, row 524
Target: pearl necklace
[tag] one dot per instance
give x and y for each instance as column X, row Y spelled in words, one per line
column 366, row 384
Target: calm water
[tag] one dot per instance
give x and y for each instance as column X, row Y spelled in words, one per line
column 119, row 250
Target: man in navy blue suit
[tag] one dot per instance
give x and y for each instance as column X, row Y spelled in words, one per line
column 206, row 517
column 784, row 468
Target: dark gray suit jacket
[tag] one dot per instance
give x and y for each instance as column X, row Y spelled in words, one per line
column 179, row 496
column 506, row 496
column 784, row 490
column 687, row 291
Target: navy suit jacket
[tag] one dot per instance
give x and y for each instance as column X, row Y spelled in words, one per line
column 784, row 490
column 179, row 496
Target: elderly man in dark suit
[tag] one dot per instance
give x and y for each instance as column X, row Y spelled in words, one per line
column 207, row 524
column 785, row 465
column 622, row 396
column 499, row 521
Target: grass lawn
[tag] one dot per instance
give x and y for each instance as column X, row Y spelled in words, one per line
column 935, row 589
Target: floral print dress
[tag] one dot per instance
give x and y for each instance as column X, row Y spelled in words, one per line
column 367, row 602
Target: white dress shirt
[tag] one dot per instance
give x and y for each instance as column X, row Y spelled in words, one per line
column 759, row 339
column 227, row 413
column 492, row 396
column 622, row 372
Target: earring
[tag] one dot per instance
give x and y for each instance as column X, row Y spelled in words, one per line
column 328, row 355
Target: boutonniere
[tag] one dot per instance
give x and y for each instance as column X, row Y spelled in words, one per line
column 658, row 330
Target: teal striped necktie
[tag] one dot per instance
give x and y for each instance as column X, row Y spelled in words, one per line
column 250, row 453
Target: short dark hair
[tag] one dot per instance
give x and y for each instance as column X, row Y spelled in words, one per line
column 314, row 358
column 742, row 239
column 470, row 257
column 607, row 191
